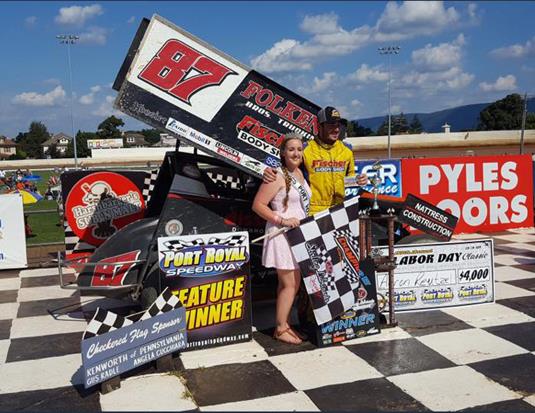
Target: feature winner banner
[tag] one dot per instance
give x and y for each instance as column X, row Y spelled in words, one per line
column 326, row 248
column 179, row 83
column 486, row 193
column 441, row 275
column 209, row 273
column 97, row 204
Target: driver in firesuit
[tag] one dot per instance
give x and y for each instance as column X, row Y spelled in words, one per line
column 326, row 161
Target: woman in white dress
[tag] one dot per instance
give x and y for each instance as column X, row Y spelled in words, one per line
column 282, row 205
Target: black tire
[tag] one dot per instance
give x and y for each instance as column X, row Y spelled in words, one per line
column 148, row 296
column 416, row 239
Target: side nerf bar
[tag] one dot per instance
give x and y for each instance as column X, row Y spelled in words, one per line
column 73, row 286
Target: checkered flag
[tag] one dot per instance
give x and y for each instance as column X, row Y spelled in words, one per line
column 104, row 321
column 178, row 244
column 322, row 262
column 164, row 303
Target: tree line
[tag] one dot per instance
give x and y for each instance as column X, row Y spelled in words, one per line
column 504, row 114
column 30, row 143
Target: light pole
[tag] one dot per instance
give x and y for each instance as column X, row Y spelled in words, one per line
column 69, row 39
column 389, row 50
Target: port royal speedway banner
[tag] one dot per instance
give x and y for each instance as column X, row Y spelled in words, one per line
column 486, row 193
column 178, row 83
column 440, row 275
column 209, row 273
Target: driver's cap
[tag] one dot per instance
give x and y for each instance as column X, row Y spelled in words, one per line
column 330, row 115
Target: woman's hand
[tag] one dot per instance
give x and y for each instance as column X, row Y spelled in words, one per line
column 290, row 222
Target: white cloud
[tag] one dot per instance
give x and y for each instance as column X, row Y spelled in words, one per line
column 78, row 15
column 366, row 74
column 131, row 20
column 473, row 14
column 328, row 39
column 320, row 24
column 52, row 98
column 515, row 50
column 94, row 35
column 438, row 58
column 414, row 18
column 320, row 84
column 106, row 109
column 356, row 103
column 89, row 99
column 502, row 84
column 30, row 21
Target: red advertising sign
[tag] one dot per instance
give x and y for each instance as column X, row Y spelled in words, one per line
column 487, row 193
column 101, row 203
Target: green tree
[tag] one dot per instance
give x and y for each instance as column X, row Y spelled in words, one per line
column 416, row 125
column 400, row 124
column 504, row 114
column 81, row 145
column 354, row 129
column 109, row 128
column 152, row 136
column 18, row 155
column 30, row 142
column 52, row 151
column 383, row 129
column 530, row 121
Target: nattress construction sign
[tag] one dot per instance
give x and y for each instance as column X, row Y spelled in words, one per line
column 209, row 273
column 487, row 193
column 179, row 83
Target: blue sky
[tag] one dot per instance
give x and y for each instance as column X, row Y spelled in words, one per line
column 452, row 53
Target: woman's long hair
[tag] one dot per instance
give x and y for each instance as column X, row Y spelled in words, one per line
column 287, row 177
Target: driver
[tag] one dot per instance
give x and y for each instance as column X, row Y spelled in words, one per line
column 326, row 161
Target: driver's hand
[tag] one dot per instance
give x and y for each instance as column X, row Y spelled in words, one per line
column 362, row 179
column 269, row 175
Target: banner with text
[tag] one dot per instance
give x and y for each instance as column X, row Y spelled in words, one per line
column 389, row 175
column 113, row 344
column 441, row 275
column 486, row 193
column 178, row 83
column 209, row 273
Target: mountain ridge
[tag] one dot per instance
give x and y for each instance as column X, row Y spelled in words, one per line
column 460, row 118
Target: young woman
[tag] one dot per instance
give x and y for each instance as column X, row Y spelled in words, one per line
column 282, row 203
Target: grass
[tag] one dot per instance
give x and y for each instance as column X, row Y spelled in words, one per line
column 46, row 227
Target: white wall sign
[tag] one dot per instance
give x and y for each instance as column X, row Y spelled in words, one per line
column 12, row 234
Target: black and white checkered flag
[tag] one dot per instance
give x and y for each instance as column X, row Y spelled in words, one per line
column 105, row 321
column 164, row 303
column 178, row 244
column 314, row 247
